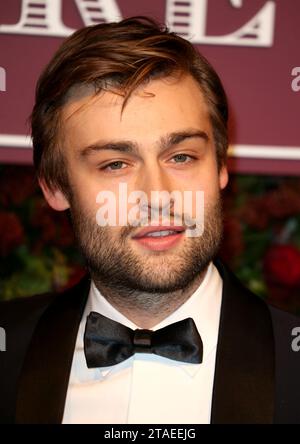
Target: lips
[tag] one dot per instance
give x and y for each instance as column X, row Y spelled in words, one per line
column 158, row 231
column 160, row 238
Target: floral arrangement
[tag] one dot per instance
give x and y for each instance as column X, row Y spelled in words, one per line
column 37, row 246
column 261, row 237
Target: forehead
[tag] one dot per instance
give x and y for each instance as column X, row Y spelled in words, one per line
column 162, row 105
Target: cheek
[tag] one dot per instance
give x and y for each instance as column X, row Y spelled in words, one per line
column 87, row 202
column 203, row 200
column 86, row 193
column 84, row 201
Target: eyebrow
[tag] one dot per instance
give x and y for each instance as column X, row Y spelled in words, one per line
column 125, row 146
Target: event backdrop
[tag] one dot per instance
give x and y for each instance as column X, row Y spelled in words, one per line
column 253, row 44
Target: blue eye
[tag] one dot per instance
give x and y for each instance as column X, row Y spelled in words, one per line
column 181, row 158
column 114, row 165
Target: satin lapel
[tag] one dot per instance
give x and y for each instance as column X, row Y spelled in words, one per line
column 244, row 386
column 45, row 374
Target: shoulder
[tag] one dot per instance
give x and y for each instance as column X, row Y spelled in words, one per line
column 284, row 319
column 286, row 329
column 28, row 310
column 20, row 316
column 19, row 319
column 257, row 315
column 22, row 309
column 280, row 318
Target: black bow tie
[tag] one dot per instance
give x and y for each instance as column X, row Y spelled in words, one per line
column 107, row 342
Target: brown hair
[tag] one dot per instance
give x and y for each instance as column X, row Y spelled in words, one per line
column 119, row 55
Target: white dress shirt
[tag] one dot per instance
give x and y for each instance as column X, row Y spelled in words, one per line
column 146, row 388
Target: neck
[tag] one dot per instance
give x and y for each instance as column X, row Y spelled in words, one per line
column 148, row 309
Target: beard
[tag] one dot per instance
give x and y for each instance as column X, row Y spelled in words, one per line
column 140, row 278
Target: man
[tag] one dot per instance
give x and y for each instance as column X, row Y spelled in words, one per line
column 159, row 331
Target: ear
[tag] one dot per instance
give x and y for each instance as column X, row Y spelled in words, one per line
column 223, row 176
column 55, row 197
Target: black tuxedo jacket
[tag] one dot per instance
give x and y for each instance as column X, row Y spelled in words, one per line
column 257, row 375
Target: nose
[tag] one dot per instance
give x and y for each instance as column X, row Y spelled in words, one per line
column 154, row 178
column 157, row 186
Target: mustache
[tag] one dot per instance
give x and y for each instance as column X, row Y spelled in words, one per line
column 185, row 220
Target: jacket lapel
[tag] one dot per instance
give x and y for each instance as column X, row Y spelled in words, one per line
column 45, row 375
column 244, row 386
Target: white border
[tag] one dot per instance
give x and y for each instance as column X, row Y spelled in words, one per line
column 241, row 151
column 265, row 152
column 14, row 141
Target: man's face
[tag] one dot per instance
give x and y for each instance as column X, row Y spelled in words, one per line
column 162, row 141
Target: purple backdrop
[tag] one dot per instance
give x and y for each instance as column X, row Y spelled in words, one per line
column 253, row 44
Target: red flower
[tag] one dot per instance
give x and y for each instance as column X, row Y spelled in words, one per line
column 282, row 265
column 12, row 234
